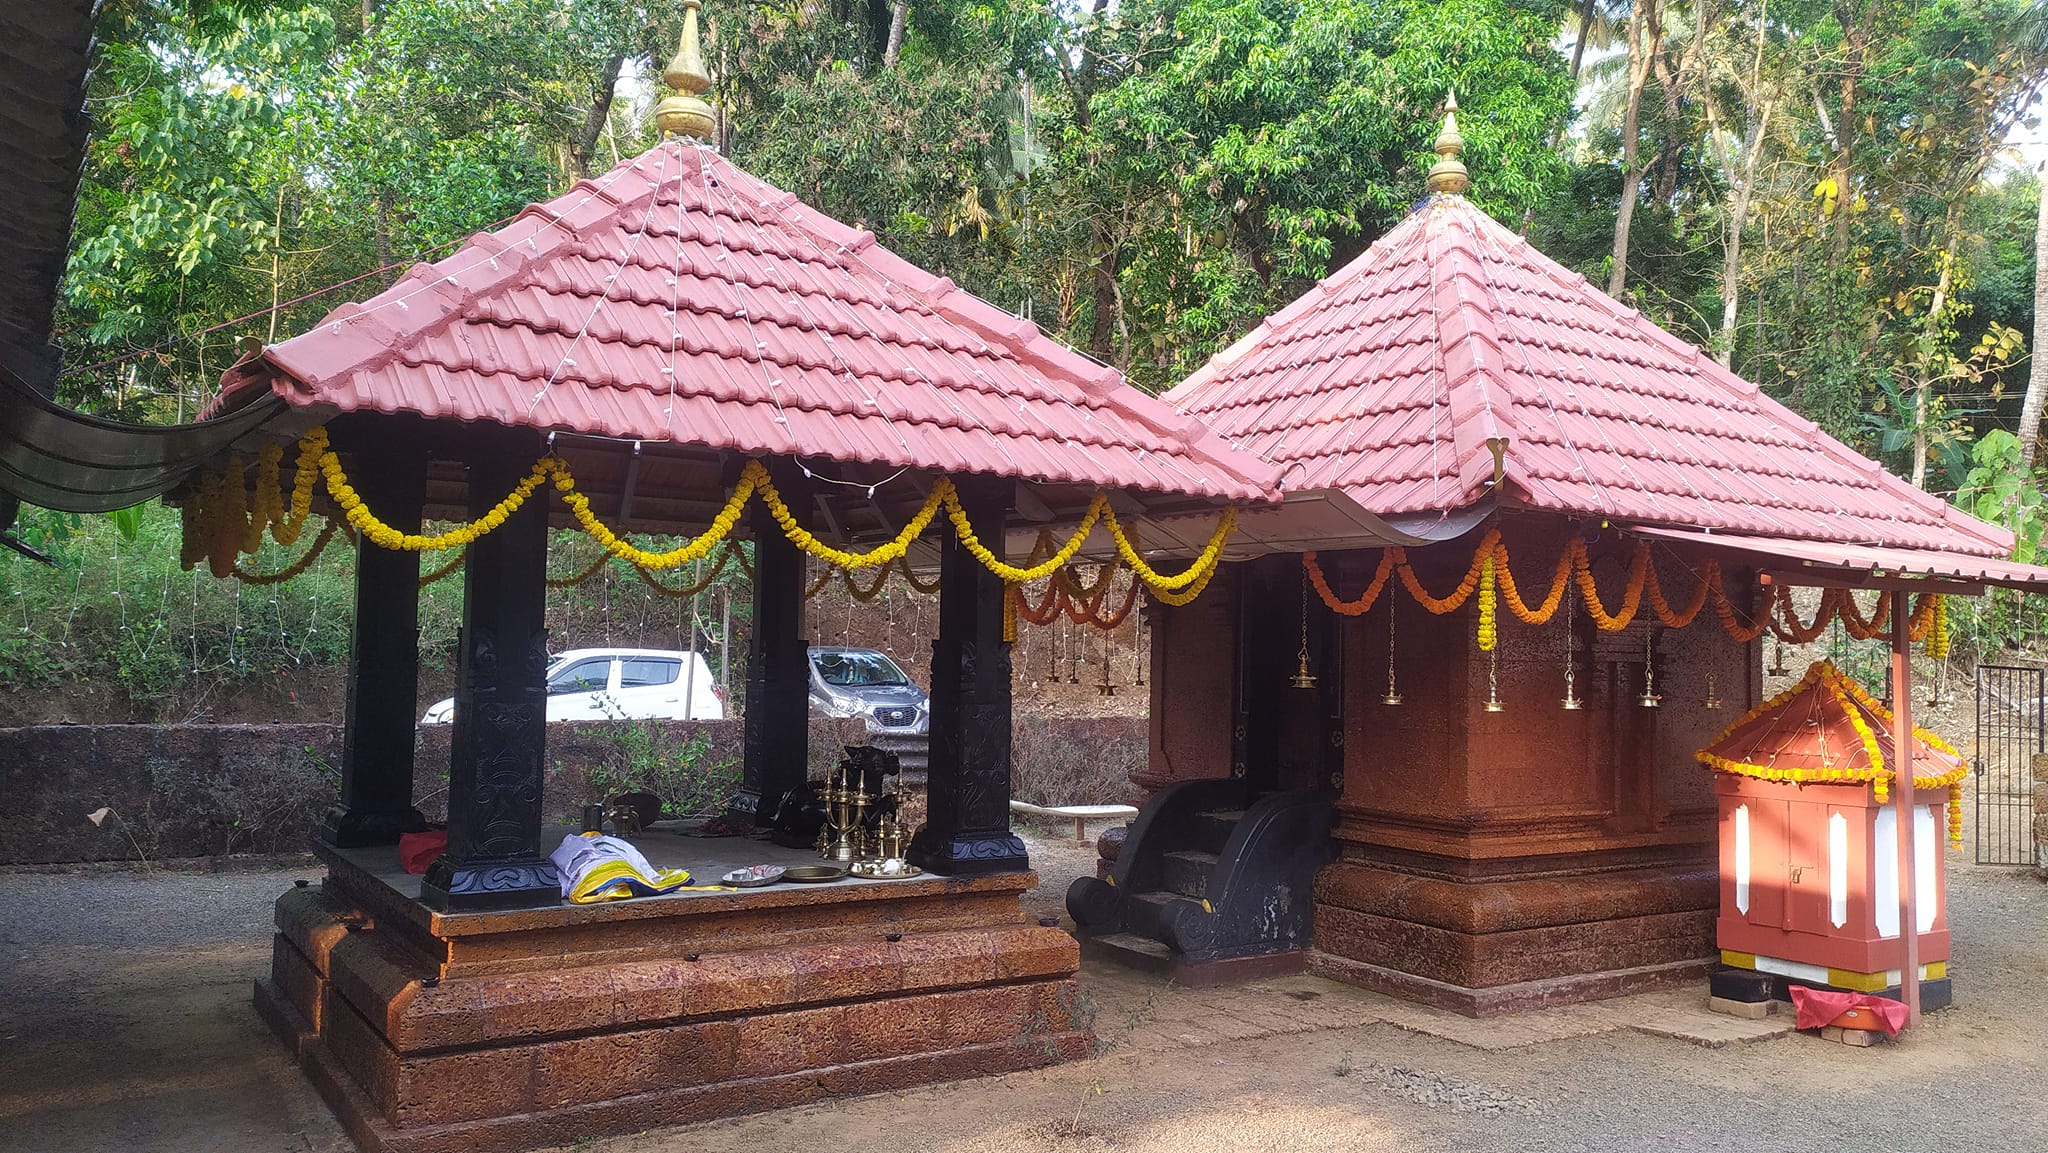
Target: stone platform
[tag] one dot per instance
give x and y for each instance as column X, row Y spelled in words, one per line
column 434, row 1032
column 1486, row 946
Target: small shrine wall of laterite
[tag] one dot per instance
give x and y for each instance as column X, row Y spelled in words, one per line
column 1484, row 856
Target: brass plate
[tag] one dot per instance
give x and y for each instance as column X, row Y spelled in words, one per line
column 814, row 874
column 872, row 870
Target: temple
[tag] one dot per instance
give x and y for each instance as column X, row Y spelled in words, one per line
column 675, row 347
column 1531, row 549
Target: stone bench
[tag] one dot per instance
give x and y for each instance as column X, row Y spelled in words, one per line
column 1079, row 814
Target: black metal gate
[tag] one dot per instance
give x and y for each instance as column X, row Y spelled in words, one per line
column 2010, row 730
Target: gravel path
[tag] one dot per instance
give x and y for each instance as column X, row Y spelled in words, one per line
column 125, row 1024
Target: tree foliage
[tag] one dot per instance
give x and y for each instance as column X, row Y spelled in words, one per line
column 1820, row 191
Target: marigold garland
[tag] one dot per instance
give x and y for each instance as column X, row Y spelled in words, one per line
column 1877, row 774
column 268, row 507
column 1065, row 593
column 312, row 447
column 1489, row 628
column 1631, row 597
column 1364, row 603
column 1466, row 586
column 219, row 526
column 868, row 594
column 1774, row 612
column 230, row 518
column 1677, row 618
column 1571, row 555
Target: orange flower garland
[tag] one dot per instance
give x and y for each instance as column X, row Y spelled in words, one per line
column 1573, row 556
column 1364, row 603
column 1632, row 596
column 1466, row 587
column 1679, row 618
column 1774, row 612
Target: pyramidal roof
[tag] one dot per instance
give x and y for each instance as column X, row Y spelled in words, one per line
column 1452, row 343
column 1824, row 724
column 679, row 298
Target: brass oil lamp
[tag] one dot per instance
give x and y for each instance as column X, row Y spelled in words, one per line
column 1650, row 698
column 1303, row 679
column 1392, row 695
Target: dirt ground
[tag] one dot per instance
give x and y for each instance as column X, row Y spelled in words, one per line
column 125, row 1024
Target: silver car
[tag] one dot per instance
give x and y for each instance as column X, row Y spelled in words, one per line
column 848, row 682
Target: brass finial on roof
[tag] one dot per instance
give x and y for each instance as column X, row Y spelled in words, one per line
column 685, row 113
column 1448, row 173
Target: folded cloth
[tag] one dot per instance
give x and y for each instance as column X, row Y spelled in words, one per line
column 1817, row 1008
column 418, row 850
column 597, row 868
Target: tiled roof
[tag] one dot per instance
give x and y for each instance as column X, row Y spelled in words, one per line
column 1808, row 729
column 679, row 298
column 1397, row 378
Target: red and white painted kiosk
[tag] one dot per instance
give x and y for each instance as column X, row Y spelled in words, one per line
column 1810, row 857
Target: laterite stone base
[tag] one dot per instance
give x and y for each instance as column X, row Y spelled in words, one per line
column 1493, row 945
column 439, row 1033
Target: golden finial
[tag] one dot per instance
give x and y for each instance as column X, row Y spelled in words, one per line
column 1448, row 173
column 685, row 113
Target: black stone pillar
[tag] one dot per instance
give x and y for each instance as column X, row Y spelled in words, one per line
column 384, row 657
column 494, row 857
column 967, row 812
column 776, row 757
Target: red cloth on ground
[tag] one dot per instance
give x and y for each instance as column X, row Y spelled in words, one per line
column 1819, row 1007
column 418, row 850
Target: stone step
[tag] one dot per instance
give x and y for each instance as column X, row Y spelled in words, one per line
column 1149, row 912
column 1212, row 829
column 1187, row 871
column 1132, row 943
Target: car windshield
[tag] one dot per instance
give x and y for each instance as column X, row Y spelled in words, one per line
column 858, row 668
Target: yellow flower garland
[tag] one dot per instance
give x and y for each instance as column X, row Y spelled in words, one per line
column 1489, row 628
column 1877, row 775
column 312, row 447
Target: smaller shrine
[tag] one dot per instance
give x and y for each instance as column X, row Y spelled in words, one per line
column 1810, row 856
column 1532, row 551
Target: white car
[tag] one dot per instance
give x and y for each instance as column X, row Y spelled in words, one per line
column 622, row 684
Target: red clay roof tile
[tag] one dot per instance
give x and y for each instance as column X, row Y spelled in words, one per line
column 678, row 297
column 1388, row 379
